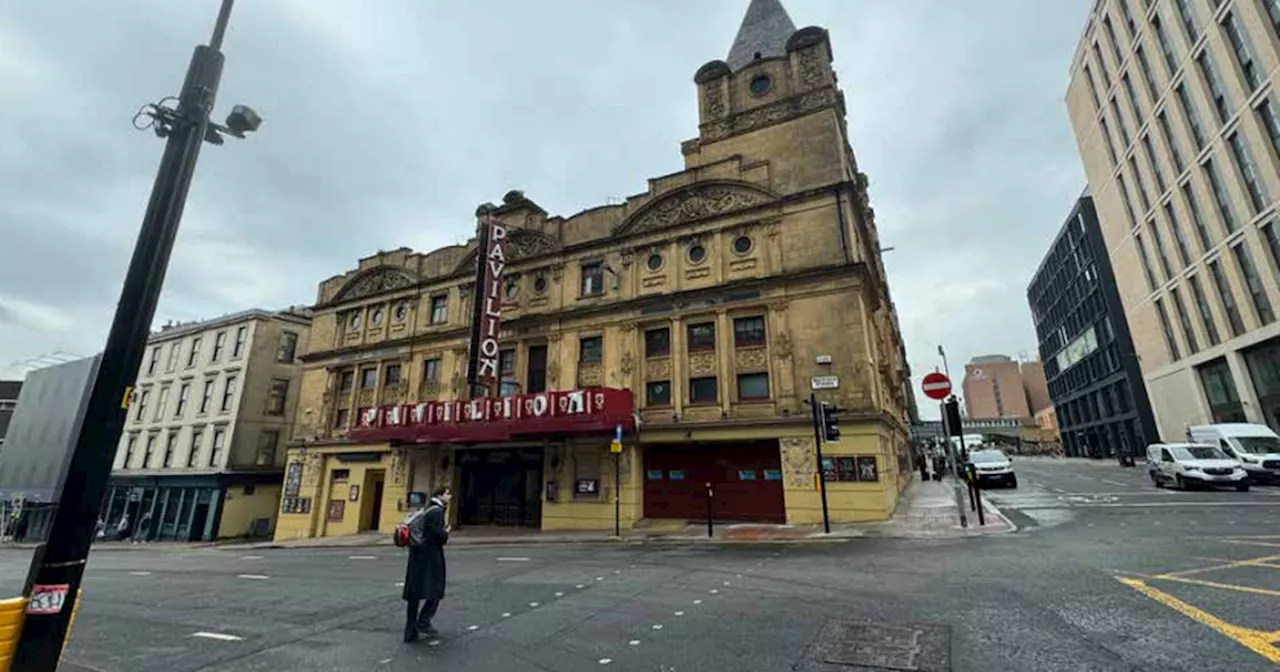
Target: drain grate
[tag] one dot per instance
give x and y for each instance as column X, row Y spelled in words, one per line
column 883, row 647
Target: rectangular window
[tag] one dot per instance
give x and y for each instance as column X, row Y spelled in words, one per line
column 1102, row 67
column 703, row 390
column 278, row 397
column 368, row 378
column 184, row 395
column 1192, row 114
column 1220, row 196
column 154, row 361
column 228, row 392
column 1179, row 236
column 1109, row 141
column 657, row 342
column 439, row 309
column 194, row 355
column 346, row 380
column 1228, row 298
column 288, row 350
column 1188, row 18
column 702, row 336
column 1128, row 17
column 170, row 445
column 1243, row 50
column 162, row 403
column 1160, row 249
column 1124, row 198
column 1156, row 170
column 1148, row 76
column 1253, row 284
column 215, row 455
column 1142, row 184
column 1258, row 197
column 1093, row 88
column 268, row 441
column 753, row 386
column 536, row 369
column 391, row 375
column 1133, row 98
column 129, row 446
column 1193, row 205
column 1202, row 307
column 1166, row 47
column 657, row 393
column 1184, row 321
column 1115, row 43
column 1221, row 102
column 1169, row 341
column 591, row 350
column 1273, row 13
column 197, row 443
column 237, row 349
column 206, row 395
column 507, row 370
column 1146, row 262
column 149, row 451
column 592, row 279
column 340, row 418
column 748, row 332
column 1269, row 115
column 1176, row 152
column 1120, row 124
column 431, row 370
column 175, row 351
column 1272, row 239
column 219, row 344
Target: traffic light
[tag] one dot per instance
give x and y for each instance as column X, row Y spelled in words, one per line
column 828, row 421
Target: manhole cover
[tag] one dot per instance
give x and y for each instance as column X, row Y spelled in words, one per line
column 888, row 647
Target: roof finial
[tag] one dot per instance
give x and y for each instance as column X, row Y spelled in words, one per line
column 763, row 34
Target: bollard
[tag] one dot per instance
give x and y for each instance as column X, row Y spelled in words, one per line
column 710, row 494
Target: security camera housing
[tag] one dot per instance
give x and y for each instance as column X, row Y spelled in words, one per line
column 243, row 120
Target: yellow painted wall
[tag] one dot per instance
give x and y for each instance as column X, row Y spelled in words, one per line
column 240, row 510
column 569, row 512
column 846, row 502
column 318, row 484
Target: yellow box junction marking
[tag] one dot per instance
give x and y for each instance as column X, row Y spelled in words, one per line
column 1255, row 640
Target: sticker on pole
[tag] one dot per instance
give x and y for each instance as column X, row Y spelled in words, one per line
column 936, row 386
column 47, row 600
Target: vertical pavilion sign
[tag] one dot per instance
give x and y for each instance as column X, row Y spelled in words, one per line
column 491, row 263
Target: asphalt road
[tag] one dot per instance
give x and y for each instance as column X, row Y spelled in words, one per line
column 1090, row 582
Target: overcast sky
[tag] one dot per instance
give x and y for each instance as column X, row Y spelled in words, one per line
column 387, row 122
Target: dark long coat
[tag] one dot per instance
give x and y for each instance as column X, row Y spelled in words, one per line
column 424, row 576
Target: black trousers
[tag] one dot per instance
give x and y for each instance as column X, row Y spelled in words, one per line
column 419, row 615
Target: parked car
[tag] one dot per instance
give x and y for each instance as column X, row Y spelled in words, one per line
column 1187, row 464
column 992, row 467
column 1255, row 447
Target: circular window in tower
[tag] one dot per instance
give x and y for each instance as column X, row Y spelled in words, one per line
column 697, row 254
column 742, row 244
column 654, row 262
column 376, row 318
column 761, row 84
column 540, row 285
column 401, row 312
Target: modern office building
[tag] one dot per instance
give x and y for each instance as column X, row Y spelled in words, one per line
column 999, row 386
column 1176, row 115
column 9, row 390
column 203, row 446
column 1093, row 377
column 695, row 319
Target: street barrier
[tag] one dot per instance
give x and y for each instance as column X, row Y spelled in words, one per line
column 13, row 612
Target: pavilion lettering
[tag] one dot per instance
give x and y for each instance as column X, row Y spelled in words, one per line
column 495, row 263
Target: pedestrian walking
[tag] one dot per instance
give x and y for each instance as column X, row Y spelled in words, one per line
column 122, row 527
column 424, row 575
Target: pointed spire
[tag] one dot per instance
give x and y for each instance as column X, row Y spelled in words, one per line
column 764, row 31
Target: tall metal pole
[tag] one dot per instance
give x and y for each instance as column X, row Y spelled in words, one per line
column 57, row 566
column 822, row 472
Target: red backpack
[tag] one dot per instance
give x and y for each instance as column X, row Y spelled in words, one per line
column 401, row 535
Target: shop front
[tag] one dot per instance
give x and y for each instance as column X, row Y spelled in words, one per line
column 191, row 507
column 737, row 481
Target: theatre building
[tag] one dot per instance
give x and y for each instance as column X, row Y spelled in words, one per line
column 694, row 320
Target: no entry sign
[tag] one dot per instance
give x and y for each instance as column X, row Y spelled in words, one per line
column 936, row 386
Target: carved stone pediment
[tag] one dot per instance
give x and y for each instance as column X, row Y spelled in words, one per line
column 697, row 201
column 374, row 281
column 521, row 244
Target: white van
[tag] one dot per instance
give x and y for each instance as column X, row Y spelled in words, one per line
column 1255, row 447
column 1187, row 464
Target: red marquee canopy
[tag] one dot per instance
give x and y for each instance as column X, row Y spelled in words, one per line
column 590, row 410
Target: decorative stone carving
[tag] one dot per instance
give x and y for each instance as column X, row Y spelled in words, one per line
column 628, row 364
column 752, row 359
column 375, row 281
column 812, row 71
column 399, row 467
column 768, row 115
column 429, row 390
column 627, row 255
column 782, row 346
column 311, row 472
column 702, row 363
column 590, row 375
column 715, row 101
column 799, row 463
column 695, row 202
column 779, row 309
column 553, row 373
column 521, row 244
column 658, row 369
column 773, row 228
column 365, row 397
column 557, row 272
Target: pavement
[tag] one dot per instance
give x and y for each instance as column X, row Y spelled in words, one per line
column 1103, row 573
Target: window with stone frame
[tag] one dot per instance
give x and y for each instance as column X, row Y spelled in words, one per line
column 391, row 375
column 702, row 336
column 590, row 350
column 439, row 309
column 278, row 397
column 268, row 441
column 749, row 332
column 657, row 393
column 704, row 390
column 753, row 386
column 657, row 342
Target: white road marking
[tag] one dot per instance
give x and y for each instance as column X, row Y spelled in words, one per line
column 362, row 557
column 1108, row 482
column 634, row 642
column 139, row 573
column 506, row 614
column 399, row 584
column 1038, row 485
column 434, row 642
column 617, row 571
column 559, row 594
column 697, row 601
column 599, row 578
column 714, row 591
column 384, row 661
column 218, row 636
column 533, row 605
column 726, row 583
column 253, row 577
column 513, row 559
column 473, row 628
column 251, row 557
column 580, row 586
column 657, row 626
column 679, row 613
column 606, row 661
column 1138, row 505
column 1057, row 490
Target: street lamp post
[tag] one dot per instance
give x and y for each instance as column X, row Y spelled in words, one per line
column 57, row 566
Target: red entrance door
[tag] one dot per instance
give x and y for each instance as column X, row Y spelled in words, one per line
column 746, row 479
